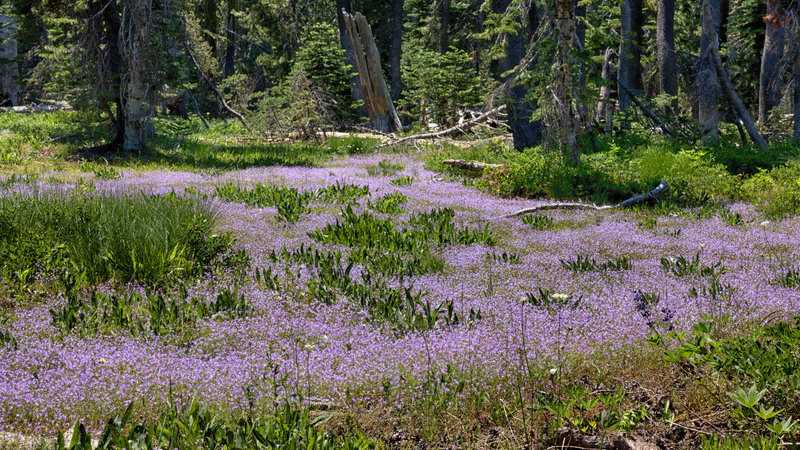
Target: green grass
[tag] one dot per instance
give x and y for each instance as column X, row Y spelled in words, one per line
column 153, row 239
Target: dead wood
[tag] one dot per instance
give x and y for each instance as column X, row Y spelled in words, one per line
column 213, row 87
column 36, row 109
column 377, row 100
column 472, row 166
column 730, row 91
column 458, row 129
column 647, row 111
column 655, row 194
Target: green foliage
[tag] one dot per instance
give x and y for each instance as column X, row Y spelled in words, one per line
column 680, row 266
column 508, row 258
column 6, row 339
column 538, row 222
column 290, row 202
column 196, row 427
column 585, row 264
column 551, row 302
column 154, row 239
column 755, row 443
column 390, row 203
column 761, row 366
column 352, row 145
column 790, row 279
column 321, row 59
column 366, row 231
column 403, row 181
column 148, row 314
column 444, row 83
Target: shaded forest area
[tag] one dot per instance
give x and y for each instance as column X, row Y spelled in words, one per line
column 567, row 71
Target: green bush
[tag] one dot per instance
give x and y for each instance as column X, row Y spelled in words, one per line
column 135, row 237
column 444, row 83
column 691, row 174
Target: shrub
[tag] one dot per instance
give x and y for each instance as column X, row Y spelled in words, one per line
column 445, row 82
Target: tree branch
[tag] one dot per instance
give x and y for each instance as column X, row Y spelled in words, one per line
column 214, row 87
column 655, row 194
column 461, row 128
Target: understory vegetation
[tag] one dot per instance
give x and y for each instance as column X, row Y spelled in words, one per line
column 217, row 291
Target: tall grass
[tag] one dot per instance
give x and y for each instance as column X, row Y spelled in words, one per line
column 131, row 237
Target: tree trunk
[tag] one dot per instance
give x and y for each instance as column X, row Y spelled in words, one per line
column 630, row 53
column 444, row 27
column 230, row 50
column 9, row 70
column 623, row 68
column 566, row 116
column 665, row 37
column 604, row 105
column 136, row 47
column 397, row 47
column 580, row 38
column 722, row 75
column 708, row 88
column 796, row 70
column 115, row 67
column 343, row 6
column 376, row 96
column 769, row 88
column 637, row 30
column 210, row 22
column 525, row 132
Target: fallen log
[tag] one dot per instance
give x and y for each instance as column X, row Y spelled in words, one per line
column 729, row 90
column 655, row 194
column 471, row 166
column 452, row 131
column 36, row 109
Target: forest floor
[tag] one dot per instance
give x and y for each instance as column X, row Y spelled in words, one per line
column 402, row 303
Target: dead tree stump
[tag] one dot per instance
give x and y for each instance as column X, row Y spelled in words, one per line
column 376, row 95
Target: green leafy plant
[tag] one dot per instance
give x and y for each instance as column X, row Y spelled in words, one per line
column 586, row 264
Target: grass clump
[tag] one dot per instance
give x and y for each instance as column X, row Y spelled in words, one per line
column 147, row 238
column 586, row 264
column 538, row 222
column 352, row 145
column 389, row 204
column 196, row 427
column 137, row 314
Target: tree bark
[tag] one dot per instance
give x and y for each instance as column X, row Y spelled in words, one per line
column 136, row 47
column 623, row 67
column 604, row 105
column 376, row 95
column 115, row 64
column 210, row 22
column 9, row 70
column 525, row 132
column 566, row 116
column 444, row 32
column 230, row 50
column 343, row 6
column 708, row 88
column 397, row 47
column 734, row 99
column 769, row 88
column 796, row 72
column 630, row 53
column 665, row 38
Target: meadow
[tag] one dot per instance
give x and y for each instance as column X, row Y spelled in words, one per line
column 222, row 292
